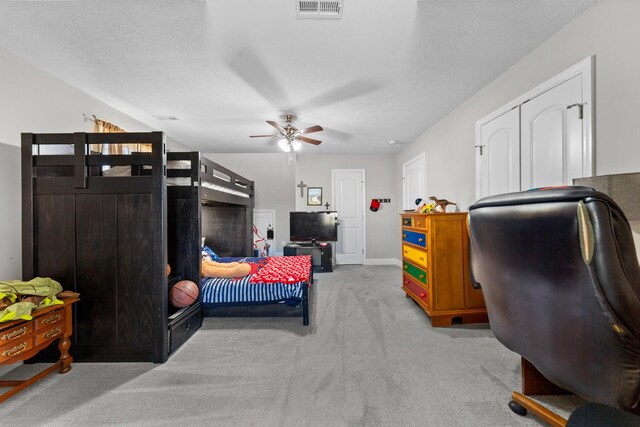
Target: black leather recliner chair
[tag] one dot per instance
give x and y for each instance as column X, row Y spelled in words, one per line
column 561, row 281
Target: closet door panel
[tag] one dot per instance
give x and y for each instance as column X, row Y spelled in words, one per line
column 97, row 268
column 135, row 260
column 499, row 158
column 552, row 137
column 54, row 239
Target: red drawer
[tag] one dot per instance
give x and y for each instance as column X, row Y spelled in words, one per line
column 415, row 289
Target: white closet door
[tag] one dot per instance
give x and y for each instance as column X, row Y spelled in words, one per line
column 551, row 137
column 498, row 156
column 348, row 192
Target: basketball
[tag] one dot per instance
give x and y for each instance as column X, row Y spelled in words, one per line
column 183, row 294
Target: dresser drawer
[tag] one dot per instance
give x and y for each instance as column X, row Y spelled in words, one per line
column 419, row 274
column 50, row 319
column 49, row 334
column 418, row 239
column 16, row 348
column 415, row 288
column 16, row 333
column 420, row 223
column 416, row 255
column 415, row 222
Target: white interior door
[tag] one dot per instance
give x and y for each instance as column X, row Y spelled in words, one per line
column 498, row 155
column 263, row 219
column 413, row 181
column 551, row 136
column 348, row 193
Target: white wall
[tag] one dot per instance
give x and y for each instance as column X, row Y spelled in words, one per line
column 34, row 101
column 276, row 189
column 10, row 208
column 608, row 30
column 382, row 226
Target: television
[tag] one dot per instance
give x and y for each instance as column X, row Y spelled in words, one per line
column 313, row 226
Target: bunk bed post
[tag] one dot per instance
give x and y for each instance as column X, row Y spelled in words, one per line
column 159, row 220
column 195, row 177
column 80, row 160
column 248, row 251
column 305, row 304
column 27, row 206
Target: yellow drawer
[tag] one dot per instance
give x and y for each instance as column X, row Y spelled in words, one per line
column 417, row 256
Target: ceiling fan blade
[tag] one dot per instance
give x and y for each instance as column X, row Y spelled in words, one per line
column 316, row 128
column 277, row 126
column 340, row 94
column 309, row 140
column 255, row 72
column 261, row 136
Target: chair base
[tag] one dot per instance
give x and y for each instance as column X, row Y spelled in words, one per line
column 534, row 383
column 528, row 404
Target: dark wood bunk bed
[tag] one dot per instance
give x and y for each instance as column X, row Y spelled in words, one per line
column 110, row 238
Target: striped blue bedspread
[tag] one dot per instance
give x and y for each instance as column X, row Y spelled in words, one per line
column 218, row 290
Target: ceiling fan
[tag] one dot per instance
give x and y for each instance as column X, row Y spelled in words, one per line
column 290, row 137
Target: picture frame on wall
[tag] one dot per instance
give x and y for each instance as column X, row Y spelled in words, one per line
column 314, row 196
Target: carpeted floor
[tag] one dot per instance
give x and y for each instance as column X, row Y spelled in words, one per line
column 369, row 358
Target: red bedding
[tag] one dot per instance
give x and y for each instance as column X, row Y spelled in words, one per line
column 284, row 269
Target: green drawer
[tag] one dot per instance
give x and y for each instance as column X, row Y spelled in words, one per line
column 414, row 271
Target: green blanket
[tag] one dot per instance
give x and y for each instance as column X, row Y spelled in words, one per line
column 13, row 289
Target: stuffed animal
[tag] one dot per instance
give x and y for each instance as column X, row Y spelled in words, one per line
column 226, row 269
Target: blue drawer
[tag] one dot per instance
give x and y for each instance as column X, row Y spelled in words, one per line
column 418, row 239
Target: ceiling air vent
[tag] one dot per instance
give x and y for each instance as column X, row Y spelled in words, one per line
column 318, row 9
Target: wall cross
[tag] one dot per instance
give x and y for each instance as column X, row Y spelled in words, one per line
column 301, row 185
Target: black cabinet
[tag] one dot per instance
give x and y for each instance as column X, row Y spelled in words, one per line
column 321, row 254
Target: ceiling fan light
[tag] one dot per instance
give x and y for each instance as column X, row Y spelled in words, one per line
column 284, row 145
column 296, row 145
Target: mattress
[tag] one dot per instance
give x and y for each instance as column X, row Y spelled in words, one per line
column 226, row 291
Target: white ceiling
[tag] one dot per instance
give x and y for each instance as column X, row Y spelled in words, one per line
column 387, row 70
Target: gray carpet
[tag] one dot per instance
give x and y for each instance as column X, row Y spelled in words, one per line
column 369, row 358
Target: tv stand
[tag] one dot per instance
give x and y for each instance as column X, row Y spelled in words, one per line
column 321, row 254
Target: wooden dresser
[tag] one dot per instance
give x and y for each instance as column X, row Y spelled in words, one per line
column 435, row 267
column 23, row 339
